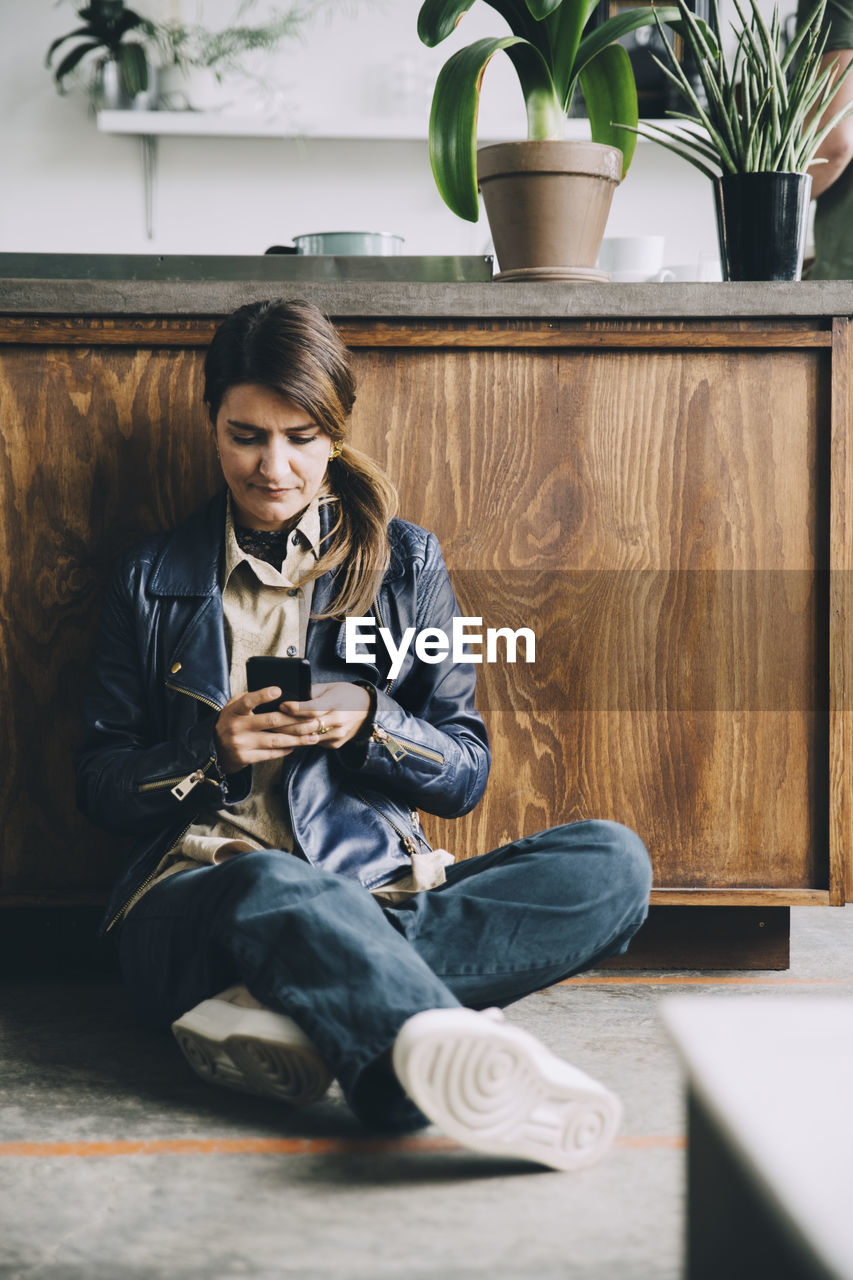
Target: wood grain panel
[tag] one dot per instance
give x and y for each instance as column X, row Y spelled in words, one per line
column 97, row 448
column 841, row 618
column 655, row 518
column 740, row 897
column 556, row 334
column 484, row 334
column 655, row 511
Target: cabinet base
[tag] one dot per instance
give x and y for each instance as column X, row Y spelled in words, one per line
column 710, row 938
column 40, row 941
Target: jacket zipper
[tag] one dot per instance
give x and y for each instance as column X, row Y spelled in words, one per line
column 180, row 788
column 208, row 702
column 146, row 883
column 395, row 746
column 407, row 841
column 390, row 681
column 398, row 747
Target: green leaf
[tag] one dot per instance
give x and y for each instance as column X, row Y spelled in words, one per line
column 773, row 66
column 757, row 133
column 134, row 67
column 453, row 118
column 541, row 8
column 818, row 138
column 128, row 21
column 613, row 29
column 566, row 34
column 696, row 33
column 701, row 144
column 69, row 62
column 707, row 118
column 438, row 19
column 610, row 93
column 809, row 29
column 716, row 118
column 668, row 140
column 80, row 31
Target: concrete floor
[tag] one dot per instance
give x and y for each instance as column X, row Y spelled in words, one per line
column 116, row 1161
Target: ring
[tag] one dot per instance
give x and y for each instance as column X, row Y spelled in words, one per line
column 322, row 727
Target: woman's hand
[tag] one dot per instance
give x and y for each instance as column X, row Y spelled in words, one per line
column 335, row 713
column 244, row 738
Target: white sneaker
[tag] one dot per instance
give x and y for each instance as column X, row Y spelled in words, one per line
column 495, row 1088
column 234, row 1041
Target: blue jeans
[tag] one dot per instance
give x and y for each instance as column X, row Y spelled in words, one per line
column 321, row 949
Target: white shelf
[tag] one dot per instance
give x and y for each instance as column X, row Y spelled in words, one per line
column 213, row 124
column 216, row 124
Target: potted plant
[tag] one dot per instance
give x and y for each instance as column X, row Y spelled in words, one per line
column 197, row 61
column 547, row 199
column 756, row 135
column 121, row 67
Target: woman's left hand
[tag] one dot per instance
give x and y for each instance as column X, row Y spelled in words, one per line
column 335, row 713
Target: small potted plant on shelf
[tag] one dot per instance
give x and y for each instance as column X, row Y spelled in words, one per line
column 547, row 199
column 111, row 33
column 755, row 135
column 197, row 61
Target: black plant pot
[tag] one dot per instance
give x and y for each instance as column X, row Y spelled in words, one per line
column 761, row 223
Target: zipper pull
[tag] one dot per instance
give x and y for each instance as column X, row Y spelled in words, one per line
column 410, row 846
column 391, row 745
column 416, row 822
column 186, row 785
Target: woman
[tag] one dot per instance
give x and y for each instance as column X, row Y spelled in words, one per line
column 283, row 910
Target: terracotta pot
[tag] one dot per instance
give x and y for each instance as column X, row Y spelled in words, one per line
column 547, row 205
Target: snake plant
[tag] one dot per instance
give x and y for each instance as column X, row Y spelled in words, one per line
column 552, row 53
column 763, row 112
column 107, row 23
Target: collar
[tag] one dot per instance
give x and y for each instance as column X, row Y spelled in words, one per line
column 307, row 528
column 191, row 559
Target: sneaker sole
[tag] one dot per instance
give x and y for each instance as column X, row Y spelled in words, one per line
column 254, row 1051
column 495, row 1088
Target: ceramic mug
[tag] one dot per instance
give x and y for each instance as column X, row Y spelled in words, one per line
column 632, row 257
column 639, row 277
column 706, row 268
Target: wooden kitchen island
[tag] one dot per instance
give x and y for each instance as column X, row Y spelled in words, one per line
column 657, row 479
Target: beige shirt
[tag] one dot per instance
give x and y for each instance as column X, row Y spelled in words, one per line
column 265, row 612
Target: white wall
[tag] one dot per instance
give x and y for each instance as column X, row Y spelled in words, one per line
column 67, row 187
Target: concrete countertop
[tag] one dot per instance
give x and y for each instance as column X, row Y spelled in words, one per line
column 440, row 301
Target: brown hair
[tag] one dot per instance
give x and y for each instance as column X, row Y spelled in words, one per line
column 291, row 347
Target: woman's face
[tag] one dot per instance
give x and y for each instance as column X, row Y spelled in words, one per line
column 273, row 455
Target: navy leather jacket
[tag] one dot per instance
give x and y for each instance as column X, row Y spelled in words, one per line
column 147, row 766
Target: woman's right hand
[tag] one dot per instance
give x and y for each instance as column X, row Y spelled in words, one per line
column 243, row 738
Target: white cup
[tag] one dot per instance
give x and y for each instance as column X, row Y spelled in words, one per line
column 639, row 277
column 632, row 257
column 683, row 270
column 706, row 267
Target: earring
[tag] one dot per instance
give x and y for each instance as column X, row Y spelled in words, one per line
column 335, row 452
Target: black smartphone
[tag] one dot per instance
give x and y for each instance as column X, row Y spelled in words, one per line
column 291, row 675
